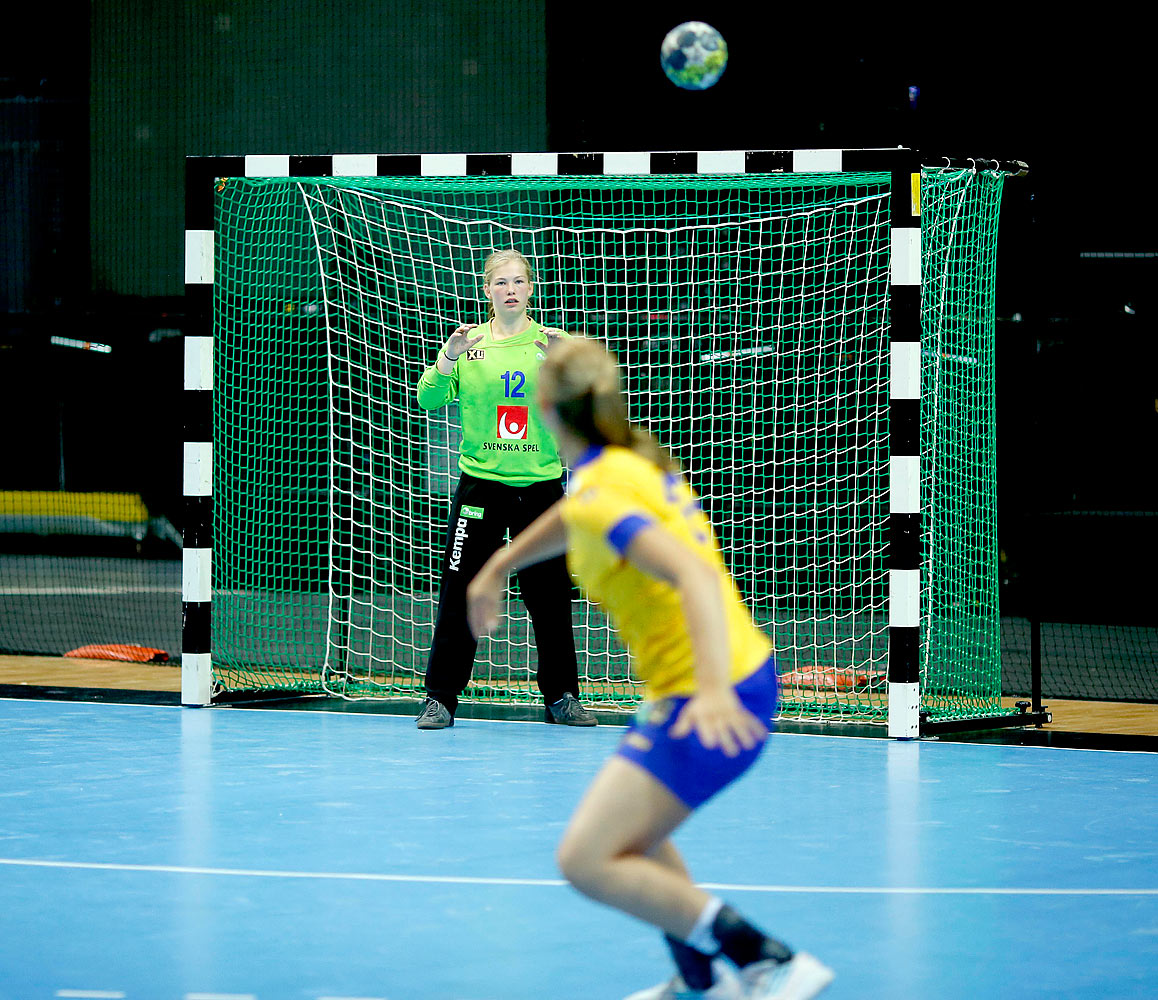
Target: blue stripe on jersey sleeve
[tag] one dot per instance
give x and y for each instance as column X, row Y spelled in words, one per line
column 621, row 534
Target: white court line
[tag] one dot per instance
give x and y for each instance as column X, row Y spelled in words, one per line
column 220, row 996
column 876, row 890
column 92, row 994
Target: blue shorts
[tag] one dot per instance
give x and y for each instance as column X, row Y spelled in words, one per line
column 689, row 770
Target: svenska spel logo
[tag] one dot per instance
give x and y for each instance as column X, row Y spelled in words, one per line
column 512, row 423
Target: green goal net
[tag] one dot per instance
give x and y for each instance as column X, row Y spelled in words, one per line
column 960, row 623
column 751, row 315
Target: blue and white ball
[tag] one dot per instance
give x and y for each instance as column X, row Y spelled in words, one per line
column 694, row 55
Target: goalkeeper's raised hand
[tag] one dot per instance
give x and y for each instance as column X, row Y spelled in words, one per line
column 456, row 345
column 552, row 333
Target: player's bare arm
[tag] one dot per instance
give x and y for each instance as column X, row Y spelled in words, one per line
column 545, row 538
column 715, row 712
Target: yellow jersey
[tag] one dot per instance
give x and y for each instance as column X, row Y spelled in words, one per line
column 612, row 494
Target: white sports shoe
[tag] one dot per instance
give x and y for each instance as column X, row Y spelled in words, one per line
column 726, row 987
column 800, row 978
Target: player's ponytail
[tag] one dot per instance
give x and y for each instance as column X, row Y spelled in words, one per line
column 582, row 381
column 497, row 260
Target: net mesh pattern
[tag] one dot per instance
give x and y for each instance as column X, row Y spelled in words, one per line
column 750, row 315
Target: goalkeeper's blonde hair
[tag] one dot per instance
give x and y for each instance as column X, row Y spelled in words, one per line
column 582, row 381
column 497, row 260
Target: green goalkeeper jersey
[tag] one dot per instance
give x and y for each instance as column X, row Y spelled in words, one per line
column 503, row 437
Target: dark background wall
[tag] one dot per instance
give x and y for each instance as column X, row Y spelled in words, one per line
column 238, row 76
column 99, row 105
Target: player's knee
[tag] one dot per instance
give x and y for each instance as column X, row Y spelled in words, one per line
column 567, row 859
column 578, row 866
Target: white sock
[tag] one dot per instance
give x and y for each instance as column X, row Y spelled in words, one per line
column 701, row 937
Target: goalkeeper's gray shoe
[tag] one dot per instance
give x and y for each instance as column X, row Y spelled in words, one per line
column 569, row 711
column 434, row 715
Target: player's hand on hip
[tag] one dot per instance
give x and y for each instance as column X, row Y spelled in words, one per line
column 460, row 341
column 719, row 719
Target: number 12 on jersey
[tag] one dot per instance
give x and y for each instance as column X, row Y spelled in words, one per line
column 515, row 390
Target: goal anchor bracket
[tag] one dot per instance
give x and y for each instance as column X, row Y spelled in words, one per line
column 1021, row 718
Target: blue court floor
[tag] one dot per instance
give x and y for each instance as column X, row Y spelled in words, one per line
column 155, row 852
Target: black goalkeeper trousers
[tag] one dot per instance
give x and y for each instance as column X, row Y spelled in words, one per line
column 480, row 515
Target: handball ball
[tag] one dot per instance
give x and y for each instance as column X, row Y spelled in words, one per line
column 694, row 55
